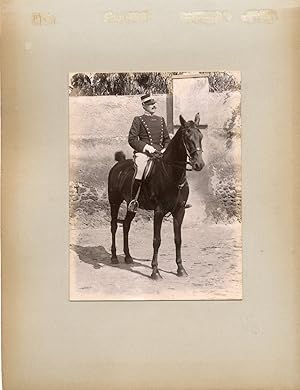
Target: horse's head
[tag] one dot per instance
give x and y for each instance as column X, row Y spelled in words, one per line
column 192, row 140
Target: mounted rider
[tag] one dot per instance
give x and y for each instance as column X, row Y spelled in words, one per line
column 148, row 133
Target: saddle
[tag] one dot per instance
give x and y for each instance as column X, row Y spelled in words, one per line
column 150, row 164
column 134, row 204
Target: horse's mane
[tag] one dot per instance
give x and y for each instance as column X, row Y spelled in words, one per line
column 175, row 138
column 176, row 135
column 173, row 144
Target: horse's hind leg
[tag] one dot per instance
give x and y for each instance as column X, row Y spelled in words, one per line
column 114, row 209
column 177, row 221
column 126, row 227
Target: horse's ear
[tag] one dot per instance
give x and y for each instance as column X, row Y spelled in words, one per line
column 182, row 121
column 197, row 119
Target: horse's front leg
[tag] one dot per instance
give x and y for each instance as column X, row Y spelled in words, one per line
column 177, row 222
column 114, row 226
column 158, row 218
column 126, row 227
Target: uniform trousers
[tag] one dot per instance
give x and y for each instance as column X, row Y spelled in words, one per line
column 141, row 160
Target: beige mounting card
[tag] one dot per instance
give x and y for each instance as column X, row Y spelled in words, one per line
column 51, row 342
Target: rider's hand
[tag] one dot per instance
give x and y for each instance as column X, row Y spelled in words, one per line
column 163, row 150
column 149, row 149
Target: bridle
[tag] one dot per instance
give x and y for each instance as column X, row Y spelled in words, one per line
column 183, row 164
column 190, row 153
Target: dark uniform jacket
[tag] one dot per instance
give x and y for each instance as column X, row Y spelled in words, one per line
column 148, row 129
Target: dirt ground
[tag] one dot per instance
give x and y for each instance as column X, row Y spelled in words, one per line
column 212, row 257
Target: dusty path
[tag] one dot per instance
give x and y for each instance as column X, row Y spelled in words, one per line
column 211, row 256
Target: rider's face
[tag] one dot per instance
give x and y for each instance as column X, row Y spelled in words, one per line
column 151, row 108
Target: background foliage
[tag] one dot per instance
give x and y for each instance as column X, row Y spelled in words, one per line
column 99, row 84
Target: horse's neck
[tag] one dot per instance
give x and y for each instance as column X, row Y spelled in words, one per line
column 176, row 150
column 176, row 153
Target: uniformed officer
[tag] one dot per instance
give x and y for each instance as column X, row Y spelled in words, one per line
column 148, row 133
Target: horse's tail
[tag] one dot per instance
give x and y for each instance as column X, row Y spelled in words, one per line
column 120, row 156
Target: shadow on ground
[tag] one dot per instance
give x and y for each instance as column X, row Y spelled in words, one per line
column 97, row 256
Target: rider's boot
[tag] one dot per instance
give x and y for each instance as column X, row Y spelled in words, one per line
column 134, row 204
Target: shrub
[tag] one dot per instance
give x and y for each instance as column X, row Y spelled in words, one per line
column 138, row 83
column 222, row 82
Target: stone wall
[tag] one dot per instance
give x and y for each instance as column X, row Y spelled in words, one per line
column 99, row 127
column 110, row 116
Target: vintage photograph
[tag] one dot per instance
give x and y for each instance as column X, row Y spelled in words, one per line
column 155, row 186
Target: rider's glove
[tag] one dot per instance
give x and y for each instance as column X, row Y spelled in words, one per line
column 163, row 150
column 149, row 149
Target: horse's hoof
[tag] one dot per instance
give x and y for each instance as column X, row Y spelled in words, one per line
column 128, row 260
column 182, row 272
column 114, row 260
column 156, row 276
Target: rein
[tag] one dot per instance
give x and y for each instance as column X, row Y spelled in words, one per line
column 182, row 164
column 179, row 164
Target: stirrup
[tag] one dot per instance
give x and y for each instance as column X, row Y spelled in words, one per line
column 133, row 206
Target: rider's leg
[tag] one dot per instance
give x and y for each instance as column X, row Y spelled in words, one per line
column 141, row 160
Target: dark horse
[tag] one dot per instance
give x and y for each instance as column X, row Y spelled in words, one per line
column 165, row 191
